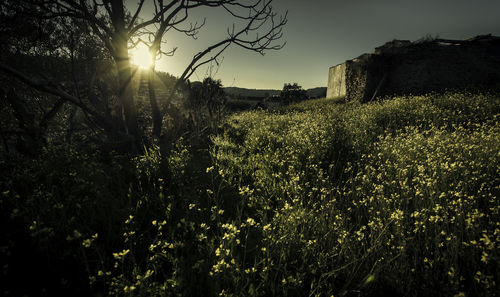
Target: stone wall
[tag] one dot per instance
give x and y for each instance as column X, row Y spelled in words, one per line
column 434, row 67
column 356, row 76
column 336, row 81
column 363, row 76
column 400, row 68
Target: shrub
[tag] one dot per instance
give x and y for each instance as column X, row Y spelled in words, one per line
column 292, row 93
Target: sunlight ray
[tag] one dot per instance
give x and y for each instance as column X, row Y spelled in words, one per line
column 141, row 57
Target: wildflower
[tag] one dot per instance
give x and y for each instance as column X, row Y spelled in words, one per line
column 33, row 226
column 128, row 289
column 86, row 243
column 148, row 273
column 250, row 221
column 121, row 254
column 130, row 218
column 484, row 257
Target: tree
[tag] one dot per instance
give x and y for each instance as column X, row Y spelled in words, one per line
column 292, row 93
column 206, row 101
column 48, row 50
column 118, row 29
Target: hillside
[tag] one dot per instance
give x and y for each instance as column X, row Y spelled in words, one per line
column 397, row 198
column 320, row 198
column 243, row 92
column 262, row 93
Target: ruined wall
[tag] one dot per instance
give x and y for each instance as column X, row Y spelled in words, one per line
column 356, row 79
column 356, row 76
column 428, row 68
column 400, row 68
column 336, row 81
column 364, row 75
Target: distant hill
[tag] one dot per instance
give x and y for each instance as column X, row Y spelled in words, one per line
column 243, row 93
column 316, row 92
column 236, row 92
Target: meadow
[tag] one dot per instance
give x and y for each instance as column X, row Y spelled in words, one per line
column 397, row 197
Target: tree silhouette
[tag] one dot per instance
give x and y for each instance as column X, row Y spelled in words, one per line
column 206, row 102
column 118, row 28
column 292, row 93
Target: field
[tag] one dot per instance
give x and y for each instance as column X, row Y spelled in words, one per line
column 321, row 198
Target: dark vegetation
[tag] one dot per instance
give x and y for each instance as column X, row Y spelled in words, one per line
column 240, row 99
column 249, row 94
column 319, row 198
column 93, row 39
column 292, row 93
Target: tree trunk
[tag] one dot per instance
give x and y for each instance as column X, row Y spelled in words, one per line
column 155, row 110
column 121, row 57
column 126, row 96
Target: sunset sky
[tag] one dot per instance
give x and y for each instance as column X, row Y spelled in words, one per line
column 322, row 33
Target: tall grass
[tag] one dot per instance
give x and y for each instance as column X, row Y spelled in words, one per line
column 372, row 198
column 396, row 198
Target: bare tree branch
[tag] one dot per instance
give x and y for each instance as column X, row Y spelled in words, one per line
column 156, row 18
column 50, row 89
column 258, row 29
column 258, row 44
column 136, row 14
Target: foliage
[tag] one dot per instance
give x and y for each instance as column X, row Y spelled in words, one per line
column 113, row 28
column 206, row 101
column 53, row 206
column 394, row 198
column 348, row 198
column 292, row 93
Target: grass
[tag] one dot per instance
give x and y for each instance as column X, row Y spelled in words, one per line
column 372, row 198
column 397, row 198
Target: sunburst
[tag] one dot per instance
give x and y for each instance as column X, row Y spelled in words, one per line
column 141, row 57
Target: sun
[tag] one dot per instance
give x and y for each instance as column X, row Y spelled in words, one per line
column 141, row 57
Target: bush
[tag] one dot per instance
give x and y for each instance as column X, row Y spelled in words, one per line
column 292, row 93
column 54, row 206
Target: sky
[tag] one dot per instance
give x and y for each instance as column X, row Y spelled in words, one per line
column 321, row 33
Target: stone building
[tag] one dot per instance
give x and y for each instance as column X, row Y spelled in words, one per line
column 402, row 67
